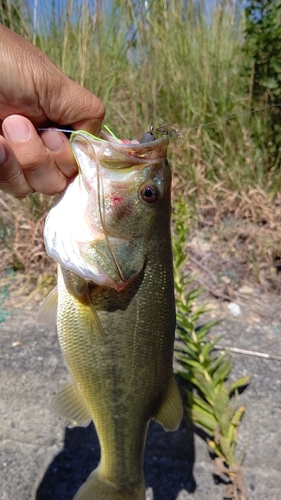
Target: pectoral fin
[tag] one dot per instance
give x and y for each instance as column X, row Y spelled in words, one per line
column 47, row 314
column 171, row 411
column 95, row 321
column 77, row 300
column 69, row 405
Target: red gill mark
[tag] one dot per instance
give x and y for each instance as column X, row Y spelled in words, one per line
column 115, row 199
column 121, row 207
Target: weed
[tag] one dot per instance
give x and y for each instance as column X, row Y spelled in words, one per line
column 22, row 247
column 212, row 403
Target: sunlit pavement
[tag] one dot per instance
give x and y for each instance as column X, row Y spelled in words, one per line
column 42, row 459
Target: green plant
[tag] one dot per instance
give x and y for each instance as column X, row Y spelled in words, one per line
column 16, row 15
column 263, row 45
column 212, row 403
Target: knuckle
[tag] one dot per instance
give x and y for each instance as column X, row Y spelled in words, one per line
column 31, row 162
column 15, row 189
column 12, row 179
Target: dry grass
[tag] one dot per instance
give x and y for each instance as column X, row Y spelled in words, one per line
column 22, row 247
column 246, row 226
column 239, row 219
column 234, row 248
column 24, row 267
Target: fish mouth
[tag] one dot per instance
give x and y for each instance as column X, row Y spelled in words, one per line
column 117, row 155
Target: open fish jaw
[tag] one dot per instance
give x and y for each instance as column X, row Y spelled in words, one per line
column 84, row 225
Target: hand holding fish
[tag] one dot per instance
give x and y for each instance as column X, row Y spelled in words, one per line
column 34, row 93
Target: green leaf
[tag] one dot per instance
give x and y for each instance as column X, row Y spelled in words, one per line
column 206, row 349
column 269, row 82
column 203, row 330
column 217, row 339
column 185, row 374
column 237, row 417
column 184, row 323
column 205, row 386
column 191, row 296
column 191, row 362
column 214, row 448
column 231, row 433
column 217, row 361
column 227, row 449
column 197, row 400
column 203, row 418
column 239, row 383
column 199, row 310
column 221, row 401
column 183, row 310
column 186, row 346
column 275, row 64
column 225, row 422
column 222, row 372
column 180, row 259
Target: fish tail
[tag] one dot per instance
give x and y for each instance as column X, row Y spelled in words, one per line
column 98, row 488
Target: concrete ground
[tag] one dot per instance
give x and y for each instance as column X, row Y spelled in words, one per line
column 42, row 459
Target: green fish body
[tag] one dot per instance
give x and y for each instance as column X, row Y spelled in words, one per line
column 116, row 327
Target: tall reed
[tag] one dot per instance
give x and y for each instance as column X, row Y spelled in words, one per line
column 162, row 62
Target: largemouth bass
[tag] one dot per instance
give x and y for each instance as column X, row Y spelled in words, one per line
column 110, row 234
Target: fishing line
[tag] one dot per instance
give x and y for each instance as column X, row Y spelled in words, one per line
column 101, row 214
column 74, row 132
column 231, row 117
column 166, row 130
column 99, row 183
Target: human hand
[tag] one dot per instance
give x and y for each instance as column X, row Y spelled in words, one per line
column 34, row 93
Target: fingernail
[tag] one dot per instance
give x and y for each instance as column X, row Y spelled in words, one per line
column 53, row 140
column 16, row 129
column 3, row 154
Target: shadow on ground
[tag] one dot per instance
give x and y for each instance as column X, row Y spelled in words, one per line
column 168, row 464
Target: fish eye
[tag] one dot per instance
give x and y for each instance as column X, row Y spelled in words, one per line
column 149, row 194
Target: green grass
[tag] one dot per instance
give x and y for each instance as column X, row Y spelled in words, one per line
column 177, row 63
column 180, row 64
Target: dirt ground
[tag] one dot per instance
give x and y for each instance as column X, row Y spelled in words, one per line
column 42, row 459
